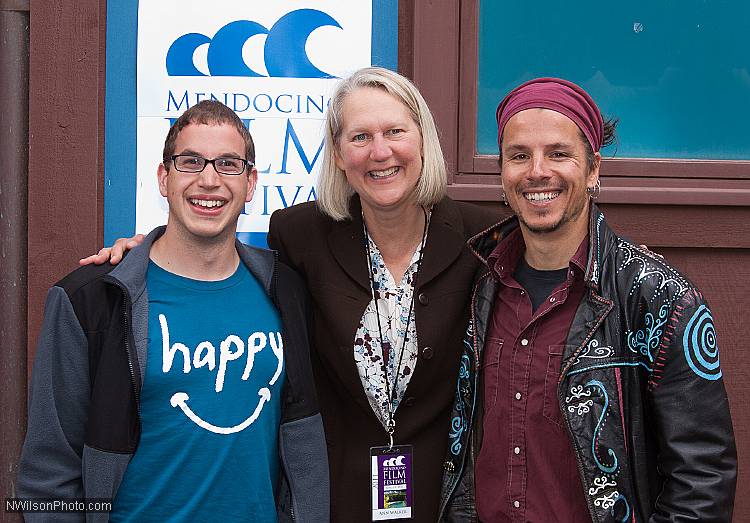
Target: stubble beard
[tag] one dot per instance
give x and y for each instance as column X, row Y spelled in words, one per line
column 569, row 215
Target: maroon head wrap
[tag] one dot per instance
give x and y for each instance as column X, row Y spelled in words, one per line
column 558, row 95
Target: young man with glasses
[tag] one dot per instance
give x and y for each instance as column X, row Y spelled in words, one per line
column 178, row 383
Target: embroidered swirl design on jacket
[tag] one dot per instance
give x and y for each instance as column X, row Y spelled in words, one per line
column 609, row 469
column 650, row 269
column 626, row 506
column 458, row 423
column 646, row 340
column 699, row 342
column 595, row 352
column 577, row 392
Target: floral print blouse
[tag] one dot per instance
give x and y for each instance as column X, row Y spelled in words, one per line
column 394, row 306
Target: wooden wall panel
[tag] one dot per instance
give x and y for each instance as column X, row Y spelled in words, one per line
column 66, row 108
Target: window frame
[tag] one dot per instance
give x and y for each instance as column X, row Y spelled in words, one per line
column 448, row 80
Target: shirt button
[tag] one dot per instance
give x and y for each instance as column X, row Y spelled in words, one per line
column 524, row 342
column 522, row 293
column 516, row 503
column 518, row 395
column 552, row 299
column 517, row 450
column 423, row 299
column 427, row 353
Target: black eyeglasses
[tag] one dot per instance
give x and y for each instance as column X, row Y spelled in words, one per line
column 190, row 163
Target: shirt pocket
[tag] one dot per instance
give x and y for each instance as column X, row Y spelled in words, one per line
column 551, row 409
column 491, row 372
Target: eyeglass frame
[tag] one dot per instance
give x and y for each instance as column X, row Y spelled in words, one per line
column 246, row 164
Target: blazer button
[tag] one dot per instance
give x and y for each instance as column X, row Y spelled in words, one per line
column 427, row 353
column 423, row 299
column 409, row 401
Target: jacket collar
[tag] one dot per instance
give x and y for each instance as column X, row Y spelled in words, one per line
column 131, row 272
column 601, row 239
column 445, row 240
column 346, row 242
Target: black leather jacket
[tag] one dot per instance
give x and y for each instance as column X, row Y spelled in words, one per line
column 640, row 390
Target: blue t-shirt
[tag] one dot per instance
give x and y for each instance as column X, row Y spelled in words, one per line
column 210, row 403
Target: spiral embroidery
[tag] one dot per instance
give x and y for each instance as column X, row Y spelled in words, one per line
column 595, row 352
column 699, row 342
column 626, row 509
column 457, row 429
column 609, row 469
column 608, row 500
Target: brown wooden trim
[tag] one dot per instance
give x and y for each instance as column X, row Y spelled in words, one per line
column 14, row 151
column 467, row 78
column 678, row 226
column 406, row 37
column 435, row 62
column 483, row 169
column 626, row 190
column 652, row 167
column 102, row 120
column 15, row 5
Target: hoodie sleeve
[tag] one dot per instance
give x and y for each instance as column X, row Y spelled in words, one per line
column 50, row 464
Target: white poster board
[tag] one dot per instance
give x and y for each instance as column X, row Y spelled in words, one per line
column 274, row 62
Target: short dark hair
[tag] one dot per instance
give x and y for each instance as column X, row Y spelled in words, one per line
column 609, row 137
column 208, row 112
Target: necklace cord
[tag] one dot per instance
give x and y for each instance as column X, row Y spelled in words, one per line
column 391, row 393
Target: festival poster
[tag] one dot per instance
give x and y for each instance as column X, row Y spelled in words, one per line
column 274, row 63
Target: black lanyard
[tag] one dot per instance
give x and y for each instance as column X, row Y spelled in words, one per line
column 391, row 393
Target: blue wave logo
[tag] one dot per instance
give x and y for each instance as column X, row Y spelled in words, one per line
column 284, row 50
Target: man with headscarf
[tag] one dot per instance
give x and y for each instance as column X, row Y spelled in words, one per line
column 601, row 394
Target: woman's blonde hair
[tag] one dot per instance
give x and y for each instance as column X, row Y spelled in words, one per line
column 334, row 190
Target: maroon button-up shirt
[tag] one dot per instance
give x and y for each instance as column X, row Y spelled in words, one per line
column 526, row 469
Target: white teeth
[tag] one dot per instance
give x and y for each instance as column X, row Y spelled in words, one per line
column 383, row 174
column 209, row 204
column 541, row 196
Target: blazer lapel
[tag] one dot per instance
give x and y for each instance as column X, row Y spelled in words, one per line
column 445, row 241
column 347, row 243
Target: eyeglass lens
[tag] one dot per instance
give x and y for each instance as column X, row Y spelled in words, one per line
column 223, row 165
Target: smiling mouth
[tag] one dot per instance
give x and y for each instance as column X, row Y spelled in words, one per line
column 207, row 204
column 541, row 196
column 386, row 173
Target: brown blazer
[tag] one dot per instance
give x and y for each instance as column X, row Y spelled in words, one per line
column 331, row 257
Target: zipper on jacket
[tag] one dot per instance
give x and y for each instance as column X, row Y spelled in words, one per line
column 128, row 352
column 275, row 299
column 273, row 291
